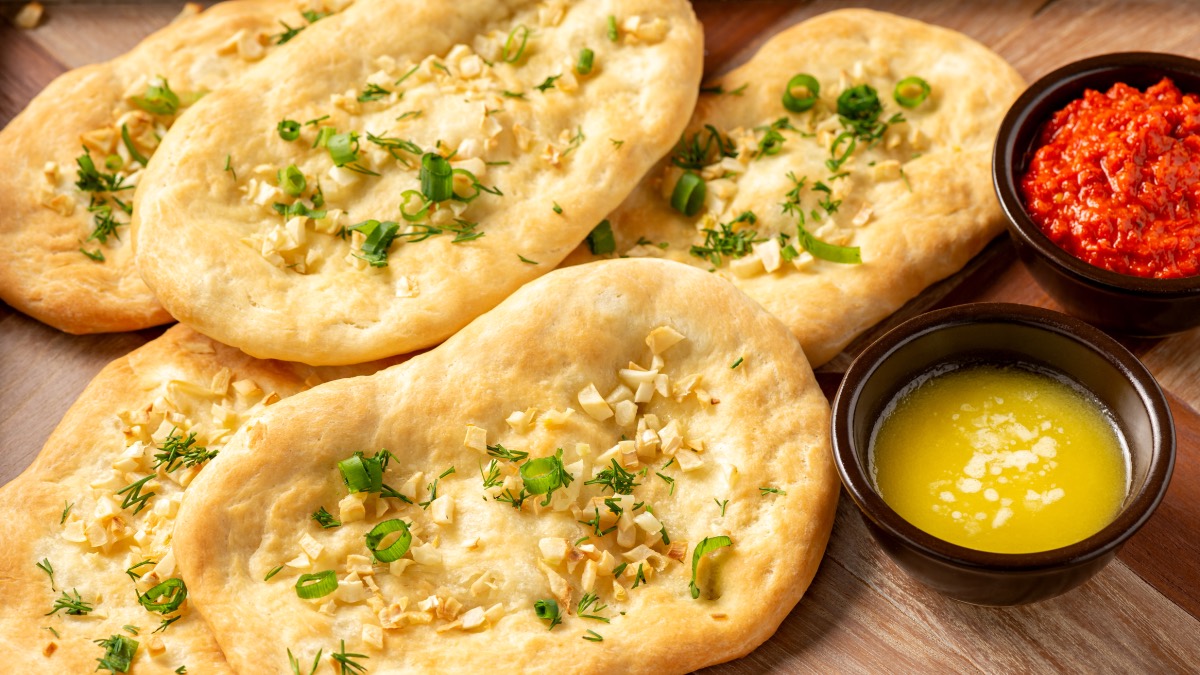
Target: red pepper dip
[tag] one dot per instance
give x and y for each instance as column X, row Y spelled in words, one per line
column 1116, row 181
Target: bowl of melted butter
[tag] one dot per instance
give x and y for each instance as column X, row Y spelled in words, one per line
column 1002, row 454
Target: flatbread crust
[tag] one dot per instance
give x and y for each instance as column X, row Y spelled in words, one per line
column 923, row 194
column 44, row 220
column 180, row 372
column 539, row 348
column 222, row 260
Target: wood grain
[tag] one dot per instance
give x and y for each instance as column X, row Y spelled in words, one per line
column 862, row 614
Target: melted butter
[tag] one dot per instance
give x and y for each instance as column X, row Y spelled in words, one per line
column 1000, row 459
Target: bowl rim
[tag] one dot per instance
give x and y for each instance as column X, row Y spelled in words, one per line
column 1006, row 158
column 1140, row 506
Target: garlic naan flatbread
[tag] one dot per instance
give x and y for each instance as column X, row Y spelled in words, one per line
column 915, row 196
column 152, row 420
column 64, row 238
column 548, row 114
column 564, row 469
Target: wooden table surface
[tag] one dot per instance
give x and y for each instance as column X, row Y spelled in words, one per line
column 862, row 614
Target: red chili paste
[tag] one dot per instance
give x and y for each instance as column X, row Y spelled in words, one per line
column 1116, row 181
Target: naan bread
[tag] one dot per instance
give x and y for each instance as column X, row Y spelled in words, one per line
column 524, row 378
column 919, row 203
column 237, row 260
column 45, row 222
column 107, row 440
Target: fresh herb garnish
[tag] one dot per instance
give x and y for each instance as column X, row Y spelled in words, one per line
column 491, row 478
column 75, row 606
column 395, row 146
column 296, row 664
column 132, row 571
column 289, row 130
column 527, row 260
column 589, row 606
column 504, row 453
column 556, row 208
column 612, row 28
column 132, row 630
column 694, row 154
column 158, row 99
column 118, row 653
column 177, row 452
column 669, row 481
column 96, row 255
column 764, row 491
column 133, row 151
column 229, row 166
column 593, row 636
column 640, row 577
column 616, row 479
column 135, row 495
column 347, row 663
column 343, row 149
column 689, row 193
column 325, row 519
column 545, row 475
column 583, row 65
column 288, row 32
column 725, row 241
column 66, row 511
column 273, row 572
column 166, row 623
column 548, row 83
column 737, row 363
column 379, row 236
column 373, row 92
column 514, row 46
column 720, row 90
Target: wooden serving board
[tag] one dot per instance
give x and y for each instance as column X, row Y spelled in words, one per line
column 862, row 614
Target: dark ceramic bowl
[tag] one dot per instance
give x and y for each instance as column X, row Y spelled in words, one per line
column 1004, row 334
column 1117, row 302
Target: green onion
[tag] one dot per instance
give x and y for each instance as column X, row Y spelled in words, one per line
column 545, row 475
column 319, row 585
column 273, row 572
column 323, row 136
column 379, row 236
column 118, row 653
column 689, row 193
column 137, row 156
column 343, row 148
column 289, row 130
column 584, row 65
column 397, row 548
column 96, row 255
column 547, row 610
column 847, row 255
column 612, row 28
column 809, row 91
column 512, row 51
column 593, row 636
column 409, row 195
column 292, row 181
column 165, row 597
column 860, row 105
column 911, row 92
column 527, row 260
column 159, row 99
column 325, row 519
column 360, row 475
column 114, row 162
column 600, row 240
column 737, row 363
column 706, row 546
column 437, row 178
column 835, row 160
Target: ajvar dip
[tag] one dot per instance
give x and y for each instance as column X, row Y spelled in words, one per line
column 1116, row 180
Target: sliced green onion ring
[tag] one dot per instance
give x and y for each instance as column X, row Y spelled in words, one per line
column 323, row 136
column 137, row 156
column 542, row 475
column 437, row 178
column 397, row 548
column 319, row 585
column 584, row 65
column 291, row 181
column 706, row 546
column 600, row 240
column 474, row 184
column 409, row 195
column 509, row 54
column 911, row 91
column 289, row 130
column 811, row 90
column 361, row 475
column 343, row 148
column 165, row 597
column 689, row 194
column 547, row 610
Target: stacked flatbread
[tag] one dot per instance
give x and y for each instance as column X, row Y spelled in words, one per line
column 388, row 191
column 65, row 257
column 914, row 196
column 566, row 370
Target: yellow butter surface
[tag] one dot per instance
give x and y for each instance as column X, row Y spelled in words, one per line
column 1000, row 459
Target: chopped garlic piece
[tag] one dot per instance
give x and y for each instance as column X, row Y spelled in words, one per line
column 688, row 460
column 593, row 404
column 473, row 618
column 554, row 419
column 372, row 635
column 663, row 338
column 426, row 554
column 476, row 438
column 351, row 507
column 626, row 413
column 521, row 422
column 442, row 510
column 769, row 253
column 553, row 549
column 311, row 547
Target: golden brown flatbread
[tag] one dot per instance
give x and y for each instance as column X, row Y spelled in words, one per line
column 914, row 196
column 66, row 512
column 540, row 152
column 64, row 251
column 680, row 412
